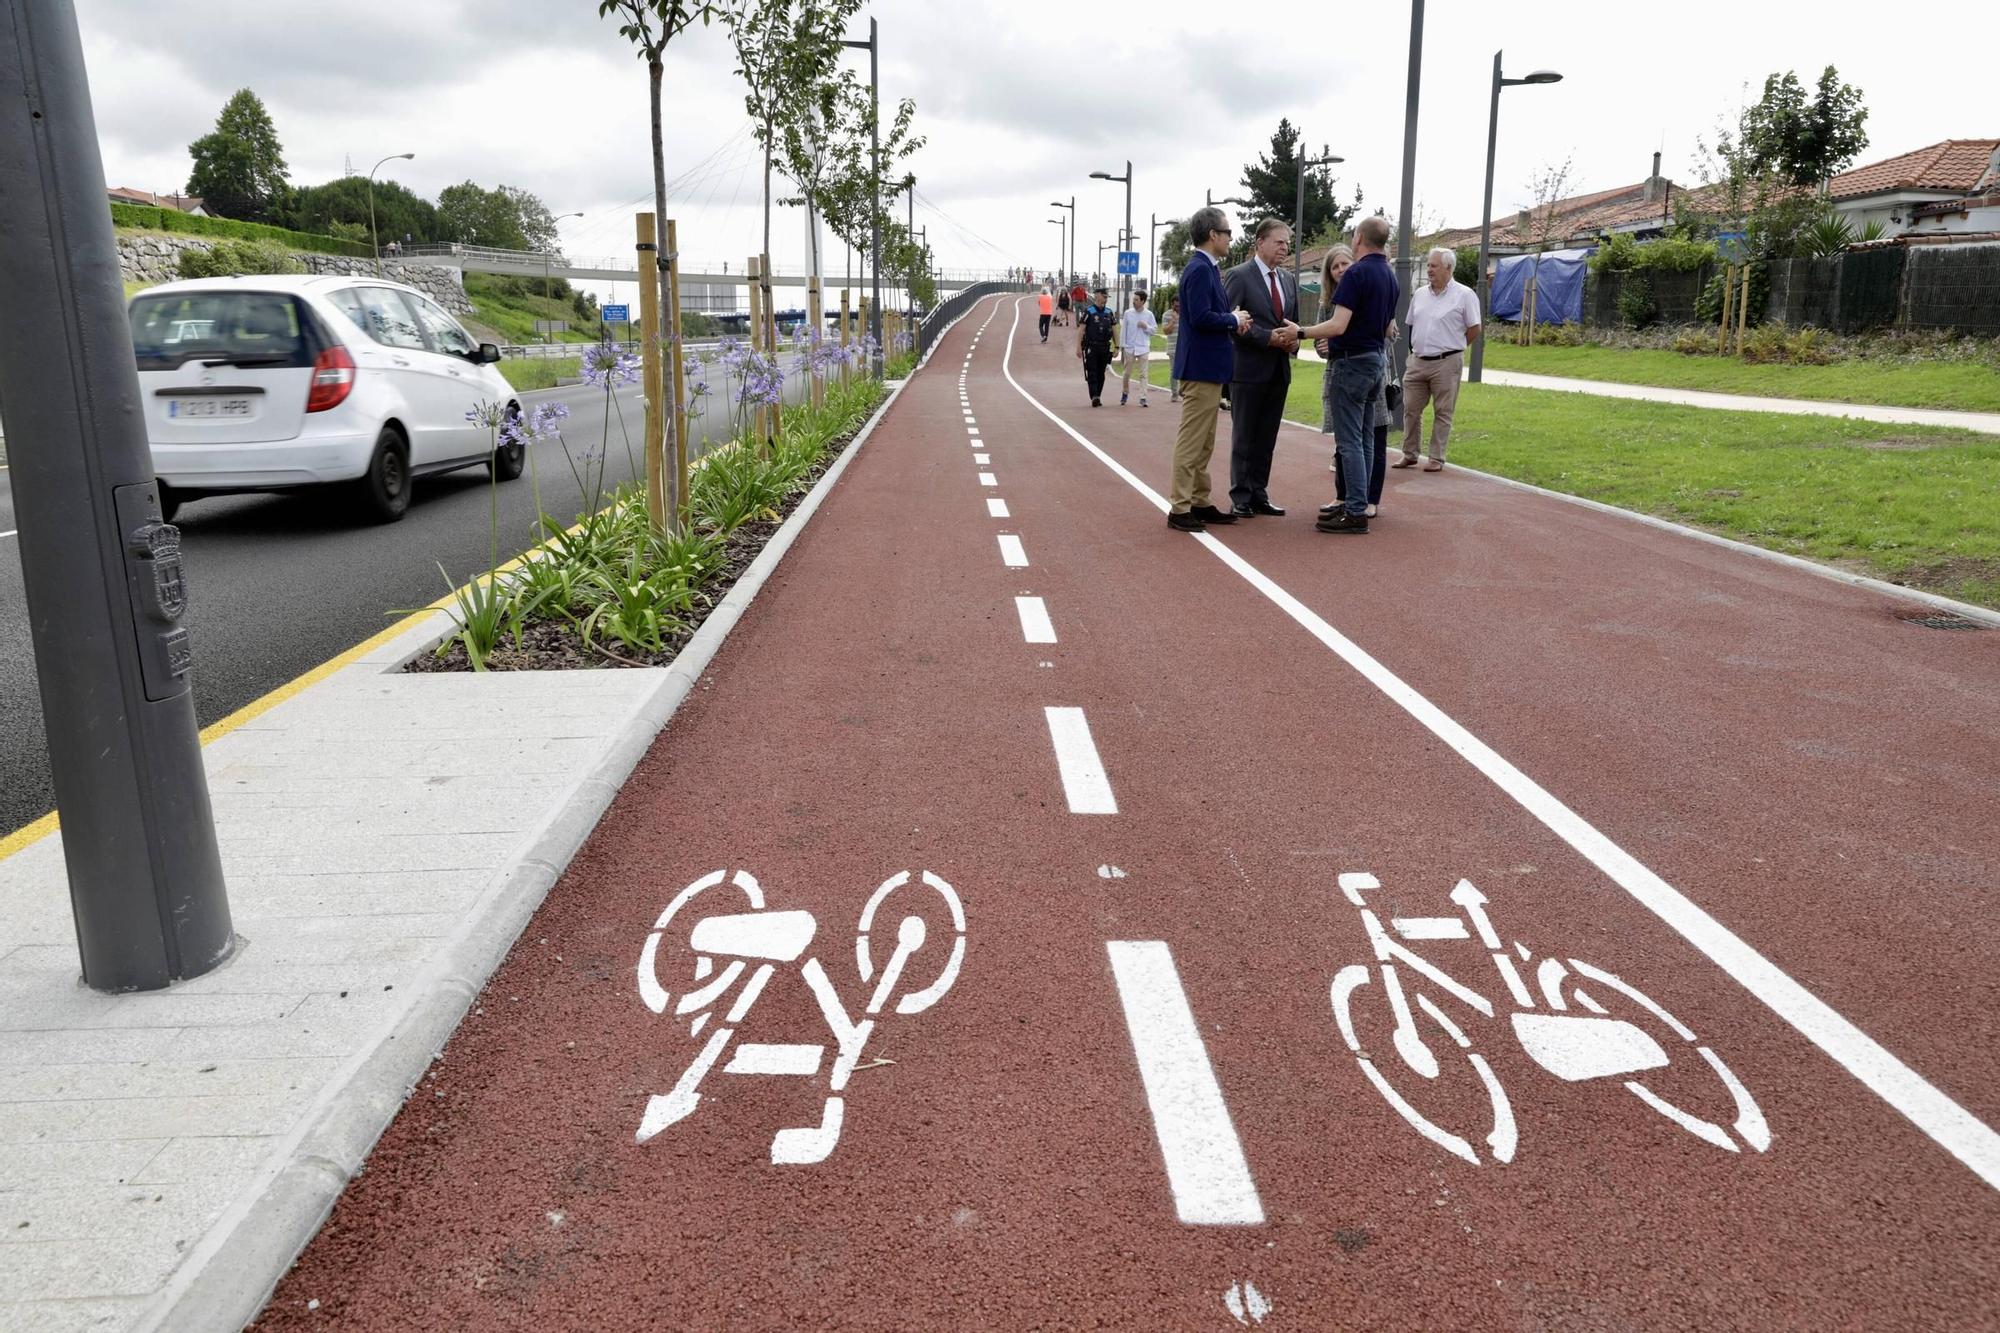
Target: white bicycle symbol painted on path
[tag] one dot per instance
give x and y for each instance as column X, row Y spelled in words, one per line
column 1575, row 1047
column 754, row 943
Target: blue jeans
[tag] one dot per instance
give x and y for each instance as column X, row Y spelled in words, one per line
column 1354, row 382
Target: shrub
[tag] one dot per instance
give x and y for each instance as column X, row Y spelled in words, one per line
column 1636, row 306
column 1466, row 270
column 1694, row 342
column 189, row 224
column 1774, row 343
column 1669, row 254
column 230, row 258
column 1708, row 306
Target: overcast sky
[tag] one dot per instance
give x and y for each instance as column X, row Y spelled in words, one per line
column 1020, row 101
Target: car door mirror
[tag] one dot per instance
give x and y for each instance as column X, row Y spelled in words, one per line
column 486, row 355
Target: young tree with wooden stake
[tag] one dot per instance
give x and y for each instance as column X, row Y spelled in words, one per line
column 650, row 25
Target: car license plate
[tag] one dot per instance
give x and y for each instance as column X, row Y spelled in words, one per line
column 210, row 408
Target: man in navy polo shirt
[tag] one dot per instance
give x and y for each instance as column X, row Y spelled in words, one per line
column 1363, row 305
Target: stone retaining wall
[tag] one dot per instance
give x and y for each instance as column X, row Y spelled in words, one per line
column 150, row 258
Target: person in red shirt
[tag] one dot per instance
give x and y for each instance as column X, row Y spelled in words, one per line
column 1046, row 304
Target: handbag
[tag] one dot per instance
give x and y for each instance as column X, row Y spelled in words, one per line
column 1395, row 395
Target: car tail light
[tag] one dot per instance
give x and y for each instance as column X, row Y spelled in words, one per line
column 332, row 381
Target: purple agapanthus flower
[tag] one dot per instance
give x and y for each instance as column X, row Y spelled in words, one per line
column 606, row 365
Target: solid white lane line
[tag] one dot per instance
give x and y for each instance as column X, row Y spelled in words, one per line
column 1085, row 785
column 1036, row 627
column 988, row 479
column 1012, row 551
column 1948, row 1124
column 9, row 532
column 982, row 459
column 997, row 509
column 1206, row 1169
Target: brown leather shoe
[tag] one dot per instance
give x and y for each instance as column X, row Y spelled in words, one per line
column 1434, row 466
column 1404, row 462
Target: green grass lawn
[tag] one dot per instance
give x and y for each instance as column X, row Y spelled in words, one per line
column 512, row 317
column 1966, row 386
column 1913, row 504
column 540, row 372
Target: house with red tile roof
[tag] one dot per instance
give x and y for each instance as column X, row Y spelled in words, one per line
column 1952, row 186
column 185, row 203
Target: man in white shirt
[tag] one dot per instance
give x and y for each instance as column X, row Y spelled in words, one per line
column 1135, row 340
column 1444, row 319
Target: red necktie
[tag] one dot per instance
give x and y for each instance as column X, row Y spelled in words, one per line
column 1277, row 297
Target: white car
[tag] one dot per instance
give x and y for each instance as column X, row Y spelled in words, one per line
column 273, row 383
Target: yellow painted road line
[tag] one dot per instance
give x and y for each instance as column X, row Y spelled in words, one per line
column 34, row 832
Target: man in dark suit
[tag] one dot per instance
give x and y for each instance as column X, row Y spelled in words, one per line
column 1263, row 375
column 1204, row 359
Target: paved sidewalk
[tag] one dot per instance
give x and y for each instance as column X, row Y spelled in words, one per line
column 1986, row 422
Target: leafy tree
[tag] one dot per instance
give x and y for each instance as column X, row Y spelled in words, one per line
column 782, row 47
column 340, row 208
column 537, row 224
column 829, row 155
column 474, row 215
column 1176, row 245
column 239, row 166
column 1272, row 183
column 1804, row 141
column 650, row 25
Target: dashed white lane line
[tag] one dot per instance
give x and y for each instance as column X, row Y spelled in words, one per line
column 1012, row 552
column 1085, row 784
column 1206, row 1169
column 982, row 459
column 1036, row 627
column 988, row 479
column 997, row 509
column 1949, row 1125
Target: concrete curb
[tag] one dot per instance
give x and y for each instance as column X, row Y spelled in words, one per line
column 229, row 1275
column 1979, row 613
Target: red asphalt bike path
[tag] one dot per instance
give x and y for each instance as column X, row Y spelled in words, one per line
column 1043, row 1149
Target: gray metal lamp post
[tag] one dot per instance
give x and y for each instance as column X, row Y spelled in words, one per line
column 1299, row 207
column 874, row 46
column 548, row 282
column 1486, row 210
column 1124, row 288
column 1071, row 206
column 1062, row 242
column 373, row 239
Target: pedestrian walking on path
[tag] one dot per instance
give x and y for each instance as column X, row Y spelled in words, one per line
column 1136, row 328
column 1062, row 309
column 1095, row 326
column 1263, row 376
column 1364, row 305
column 1444, row 320
column 1204, row 360
column 1045, row 305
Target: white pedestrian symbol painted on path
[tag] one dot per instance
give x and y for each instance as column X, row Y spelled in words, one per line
column 1575, row 1047
column 755, row 943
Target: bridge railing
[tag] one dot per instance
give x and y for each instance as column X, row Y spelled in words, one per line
column 952, row 307
column 534, row 261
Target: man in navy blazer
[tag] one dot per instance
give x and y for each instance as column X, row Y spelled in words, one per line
column 1204, row 361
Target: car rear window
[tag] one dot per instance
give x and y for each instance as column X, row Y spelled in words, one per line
column 243, row 328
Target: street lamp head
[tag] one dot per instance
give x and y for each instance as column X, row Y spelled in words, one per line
column 1543, row 76
column 407, row 157
column 1324, row 161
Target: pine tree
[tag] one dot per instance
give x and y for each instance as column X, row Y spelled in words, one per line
column 1272, row 184
column 239, row 166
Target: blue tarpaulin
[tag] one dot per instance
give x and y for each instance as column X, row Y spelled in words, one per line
column 1558, row 277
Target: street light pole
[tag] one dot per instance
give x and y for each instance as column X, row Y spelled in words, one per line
column 1406, row 263
column 1124, row 291
column 1153, row 251
column 874, row 46
column 1478, row 361
column 100, row 567
column 372, row 237
column 1071, row 206
column 1299, row 205
column 1062, row 241
column 548, row 283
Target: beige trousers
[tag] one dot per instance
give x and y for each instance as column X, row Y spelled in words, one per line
column 1436, row 383
column 1201, row 403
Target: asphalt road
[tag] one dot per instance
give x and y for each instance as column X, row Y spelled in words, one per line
column 280, row 583
column 1518, row 917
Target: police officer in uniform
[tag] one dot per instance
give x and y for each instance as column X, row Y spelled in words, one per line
column 1095, row 323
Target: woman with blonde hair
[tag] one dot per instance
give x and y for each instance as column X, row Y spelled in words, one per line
column 1338, row 257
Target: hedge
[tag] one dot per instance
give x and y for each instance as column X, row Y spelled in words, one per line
column 190, row 224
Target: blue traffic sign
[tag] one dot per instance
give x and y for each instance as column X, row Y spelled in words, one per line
column 618, row 314
column 1128, row 262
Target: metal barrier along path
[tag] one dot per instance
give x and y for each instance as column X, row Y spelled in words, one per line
column 938, row 320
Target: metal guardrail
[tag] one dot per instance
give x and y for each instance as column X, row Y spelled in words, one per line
column 934, row 324
column 530, row 263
